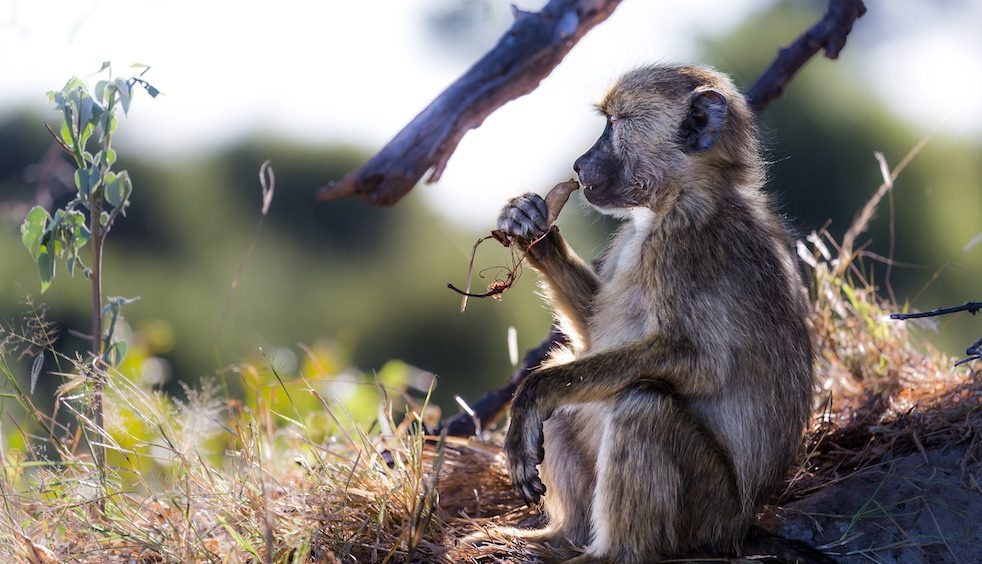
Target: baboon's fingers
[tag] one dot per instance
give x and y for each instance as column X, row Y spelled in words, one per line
column 527, row 482
column 524, row 217
column 523, row 447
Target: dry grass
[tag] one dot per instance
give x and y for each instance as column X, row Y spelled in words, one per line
column 280, row 490
column 883, row 390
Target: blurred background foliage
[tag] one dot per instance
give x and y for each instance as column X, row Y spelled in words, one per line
column 359, row 287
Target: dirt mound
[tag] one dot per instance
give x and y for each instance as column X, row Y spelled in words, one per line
column 922, row 507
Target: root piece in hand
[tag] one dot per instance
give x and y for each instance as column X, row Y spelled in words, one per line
column 558, row 196
column 555, row 199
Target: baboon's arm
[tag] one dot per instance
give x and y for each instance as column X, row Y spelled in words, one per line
column 672, row 361
column 571, row 280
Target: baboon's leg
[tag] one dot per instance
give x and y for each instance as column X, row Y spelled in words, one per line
column 664, row 485
column 571, row 437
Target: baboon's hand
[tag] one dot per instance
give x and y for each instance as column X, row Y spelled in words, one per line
column 525, row 218
column 523, row 446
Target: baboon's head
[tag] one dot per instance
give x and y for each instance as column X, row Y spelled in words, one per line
column 671, row 130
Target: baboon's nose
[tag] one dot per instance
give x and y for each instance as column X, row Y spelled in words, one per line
column 585, row 171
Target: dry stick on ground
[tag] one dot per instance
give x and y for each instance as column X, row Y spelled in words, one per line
column 525, row 54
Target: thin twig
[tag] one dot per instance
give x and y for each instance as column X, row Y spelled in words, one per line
column 971, row 307
column 974, row 351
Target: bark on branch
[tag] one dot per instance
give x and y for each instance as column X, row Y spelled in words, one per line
column 829, row 34
column 526, row 54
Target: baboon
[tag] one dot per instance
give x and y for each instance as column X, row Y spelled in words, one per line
column 681, row 401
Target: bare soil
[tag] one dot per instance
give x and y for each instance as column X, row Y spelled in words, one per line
column 921, row 507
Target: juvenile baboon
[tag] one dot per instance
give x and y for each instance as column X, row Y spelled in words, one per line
column 688, row 383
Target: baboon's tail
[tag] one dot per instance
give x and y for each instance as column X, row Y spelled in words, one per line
column 780, row 549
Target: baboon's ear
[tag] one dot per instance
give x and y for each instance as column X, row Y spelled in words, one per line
column 703, row 124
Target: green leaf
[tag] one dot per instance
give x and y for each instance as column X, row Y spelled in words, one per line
column 123, row 86
column 118, row 189
column 108, row 157
column 113, row 303
column 100, row 91
column 82, row 182
column 73, row 85
column 56, row 220
column 86, row 133
column 46, row 265
column 85, row 109
column 105, row 65
column 32, row 230
column 66, row 134
column 151, row 90
column 104, row 219
column 75, row 225
column 117, row 352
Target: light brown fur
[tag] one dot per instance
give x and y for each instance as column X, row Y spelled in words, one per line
column 690, row 382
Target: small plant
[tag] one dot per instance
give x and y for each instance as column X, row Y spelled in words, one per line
column 103, row 195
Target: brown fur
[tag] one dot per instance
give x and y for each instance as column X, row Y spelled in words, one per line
column 690, row 378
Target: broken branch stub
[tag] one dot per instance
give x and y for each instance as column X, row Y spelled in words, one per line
column 526, row 54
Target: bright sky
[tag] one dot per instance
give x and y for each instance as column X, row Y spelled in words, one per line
column 357, row 71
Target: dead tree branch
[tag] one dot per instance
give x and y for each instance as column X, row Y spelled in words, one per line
column 526, row 54
column 829, row 34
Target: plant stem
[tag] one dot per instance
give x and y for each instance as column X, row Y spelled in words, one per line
column 98, row 239
column 95, row 211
